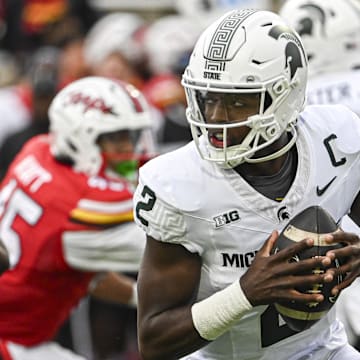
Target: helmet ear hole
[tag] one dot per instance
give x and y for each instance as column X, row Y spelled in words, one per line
column 279, row 87
column 71, row 146
column 272, row 131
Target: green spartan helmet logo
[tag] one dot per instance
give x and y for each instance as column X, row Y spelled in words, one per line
column 294, row 50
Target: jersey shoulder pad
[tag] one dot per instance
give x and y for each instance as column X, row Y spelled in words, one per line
column 337, row 120
column 104, row 203
column 176, row 177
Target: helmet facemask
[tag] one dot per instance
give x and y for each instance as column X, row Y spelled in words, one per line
column 264, row 126
column 122, row 152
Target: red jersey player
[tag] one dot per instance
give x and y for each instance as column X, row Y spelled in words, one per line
column 66, row 215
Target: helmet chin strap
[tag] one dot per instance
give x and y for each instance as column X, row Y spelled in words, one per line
column 278, row 153
column 233, row 163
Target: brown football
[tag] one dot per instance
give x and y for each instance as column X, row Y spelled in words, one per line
column 313, row 222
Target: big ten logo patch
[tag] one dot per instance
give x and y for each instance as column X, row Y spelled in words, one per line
column 226, row 218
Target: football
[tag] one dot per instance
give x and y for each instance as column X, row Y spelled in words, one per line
column 313, row 222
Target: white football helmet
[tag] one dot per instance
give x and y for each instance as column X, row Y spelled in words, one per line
column 168, row 42
column 114, row 32
column 247, row 52
column 330, row 32
column 88, row 108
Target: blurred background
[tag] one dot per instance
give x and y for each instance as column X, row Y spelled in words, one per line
column 45, row 44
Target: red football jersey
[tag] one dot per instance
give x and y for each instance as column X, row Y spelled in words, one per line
column 40, row 200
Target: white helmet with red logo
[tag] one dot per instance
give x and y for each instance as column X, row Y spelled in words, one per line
column 90, row 107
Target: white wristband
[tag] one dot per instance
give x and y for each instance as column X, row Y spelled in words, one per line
column 219, row 312
column 134, row 297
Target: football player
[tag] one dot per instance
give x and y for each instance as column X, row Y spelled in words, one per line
column 173, row 37
column 66, row 215
column 213, row 208
column 330, row 32
column 112, row 47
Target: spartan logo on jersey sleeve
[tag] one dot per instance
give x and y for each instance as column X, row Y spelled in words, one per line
column 226, row 218
column 294, row 59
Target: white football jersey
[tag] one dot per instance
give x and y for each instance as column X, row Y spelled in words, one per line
column 185, row 200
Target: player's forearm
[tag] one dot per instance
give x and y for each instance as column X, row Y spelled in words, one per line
column 169, row 335
column 114, row 287
column 187, row 329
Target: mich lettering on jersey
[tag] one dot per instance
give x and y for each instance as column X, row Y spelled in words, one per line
column 238, row 260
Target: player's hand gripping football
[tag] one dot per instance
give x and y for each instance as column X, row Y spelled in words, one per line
column 272, row 278
column 350, row 255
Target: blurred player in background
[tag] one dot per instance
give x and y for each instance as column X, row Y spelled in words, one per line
column 31, row 98
column 66, row 215
column 173, row 37
column 112, row 47
column 330, row 31
column 203, row 12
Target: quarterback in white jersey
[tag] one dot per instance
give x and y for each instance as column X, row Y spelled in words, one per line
column 330, row 32
column 212, row 209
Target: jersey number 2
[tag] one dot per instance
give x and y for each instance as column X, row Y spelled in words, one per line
column 146, row 206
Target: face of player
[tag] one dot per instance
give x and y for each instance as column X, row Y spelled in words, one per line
column 115, row 66
column 225, row 108
column 118, row 152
